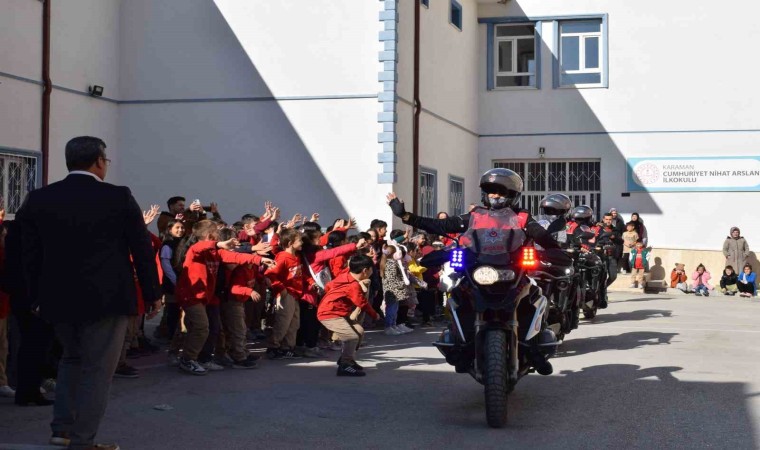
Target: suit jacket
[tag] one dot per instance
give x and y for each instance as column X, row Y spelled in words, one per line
column 77, row 236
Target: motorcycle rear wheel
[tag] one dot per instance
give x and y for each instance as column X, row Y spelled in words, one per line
column 496, row 378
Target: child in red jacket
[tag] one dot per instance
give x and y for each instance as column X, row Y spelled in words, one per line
column 241, row 281
column 336, row 312
column 197, row 284
column 290, row 281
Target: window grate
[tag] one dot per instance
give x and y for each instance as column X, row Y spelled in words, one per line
column 428, row 198
column 580, row 180
column 456, row 196
column 18, row 176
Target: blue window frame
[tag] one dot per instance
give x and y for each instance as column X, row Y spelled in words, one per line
column 425, row 3
column 455, row 14
column 581, row 53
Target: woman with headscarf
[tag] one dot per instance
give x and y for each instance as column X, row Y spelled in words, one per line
column 735, row 249
column 640, row 229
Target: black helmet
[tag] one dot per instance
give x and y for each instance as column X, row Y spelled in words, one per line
column 504, row 182
column 582, row 214
column 556, row 205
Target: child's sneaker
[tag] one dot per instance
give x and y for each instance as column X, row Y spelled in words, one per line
column 404, row 329
column 172, row 360
column 126, row 371
column 698, row 293
column 211, row 365
column 390, row 331
column 350, row 370
column 224, row 361
column 313, row 353
column 290, row 354
column 7, row 391
column 274, row 353
column 191, row 366
column 707, row 293
column 244, row 364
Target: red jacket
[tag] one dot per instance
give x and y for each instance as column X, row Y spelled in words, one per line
column 338, row 266
column 197, row 283
column 156, row 243
column 342, row 296
column 320, row 259
column 241, row 282
column 289, row 274
column 324, row 238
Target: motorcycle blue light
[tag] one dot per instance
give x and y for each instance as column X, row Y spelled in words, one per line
column 457, row 259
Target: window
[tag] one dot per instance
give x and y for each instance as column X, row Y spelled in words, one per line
column 456, row 196
column 425, row 3
column 515, row 56
column 581, row 55
column 455, row 14
column 428, row 192
column 18, row 176
column 578, row 179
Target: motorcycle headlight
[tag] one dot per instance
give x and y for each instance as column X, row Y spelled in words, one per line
column 486, row 275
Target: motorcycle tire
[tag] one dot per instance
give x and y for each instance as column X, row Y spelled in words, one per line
column 589, row 313
column 496, row 378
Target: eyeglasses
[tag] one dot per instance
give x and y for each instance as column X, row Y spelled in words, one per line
column 108, row 161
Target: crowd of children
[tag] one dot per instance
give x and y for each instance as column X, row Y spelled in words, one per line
column 288, row 285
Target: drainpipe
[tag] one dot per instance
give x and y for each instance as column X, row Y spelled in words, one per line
column 47, row 89
column 417, row 110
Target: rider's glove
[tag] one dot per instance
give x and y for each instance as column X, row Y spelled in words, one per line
column 397, row 207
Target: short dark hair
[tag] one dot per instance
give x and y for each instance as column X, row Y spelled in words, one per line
column 335, row 238
column 174, row 200
column 748, row 266
column 84, row 151
column 225, row 234
column 607, row 215
column 357, row 263
column 311, row 226
column 376, row 224
column 249, row 218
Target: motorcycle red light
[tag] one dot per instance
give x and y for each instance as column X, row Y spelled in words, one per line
column 529, row 259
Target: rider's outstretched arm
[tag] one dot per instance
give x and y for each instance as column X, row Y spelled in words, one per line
column 456, row 224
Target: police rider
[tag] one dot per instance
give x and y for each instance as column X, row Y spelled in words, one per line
column 500, row 188
column 582, row 228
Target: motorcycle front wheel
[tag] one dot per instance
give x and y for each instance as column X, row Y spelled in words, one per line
column 496, row 378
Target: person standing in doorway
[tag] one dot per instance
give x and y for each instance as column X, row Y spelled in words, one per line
column 80, row 278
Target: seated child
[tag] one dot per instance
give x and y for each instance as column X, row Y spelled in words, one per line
column 729, row 281
column 747, row 282
column 701, row 283
column 678, row 278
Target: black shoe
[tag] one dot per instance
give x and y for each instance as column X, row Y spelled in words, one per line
column 147, row 346
column 244, row 364
column 225, row 361
column 274, row 353
column 253, row 358
column 350, row 370
column 126, row 371
column 603, row 304
column 545, row 368
column 38, row 400
column 290, row 354
column 60, row 440
column 707, row 293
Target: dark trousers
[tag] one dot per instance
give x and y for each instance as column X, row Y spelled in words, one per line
column 746, row 288
column 36, row 342
column 214, row 328
column 427, row 298
column 173, row 315
column 90, row 355
column 308, row 333
column 402, row 318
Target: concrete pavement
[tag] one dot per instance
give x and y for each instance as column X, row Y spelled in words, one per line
column 649, row 372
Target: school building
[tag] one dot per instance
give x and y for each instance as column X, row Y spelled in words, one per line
column 647, row 107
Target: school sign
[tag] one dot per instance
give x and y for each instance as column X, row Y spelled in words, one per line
column 684, row 174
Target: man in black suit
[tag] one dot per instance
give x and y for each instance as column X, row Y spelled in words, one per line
column 77, row 237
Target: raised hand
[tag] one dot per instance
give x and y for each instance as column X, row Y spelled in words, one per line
column 275, row 213
column 214, row 208
column 340, row 223
column 148, row 216
column 230, row 244
column 268, row 262
column 297, row 218
column 262, row 248
column 352, row 223
column 281, row 227
column 397, row 206
column 196, row 206
column 361, row 244
column 314, row 217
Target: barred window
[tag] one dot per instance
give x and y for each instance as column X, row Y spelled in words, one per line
column 428, row 192
column 456, row 196
column 18, row 176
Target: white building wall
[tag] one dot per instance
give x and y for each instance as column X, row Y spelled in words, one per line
column 84, row 51
column 448, row 93
column 662, row 78
column 248, row 129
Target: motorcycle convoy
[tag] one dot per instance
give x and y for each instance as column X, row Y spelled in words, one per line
column 516, row 286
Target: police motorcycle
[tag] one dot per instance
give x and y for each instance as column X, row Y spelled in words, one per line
column 498, row 333
column 555, row 272
column 591, row 268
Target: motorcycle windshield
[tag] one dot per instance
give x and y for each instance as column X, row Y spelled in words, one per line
column 493, row 235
